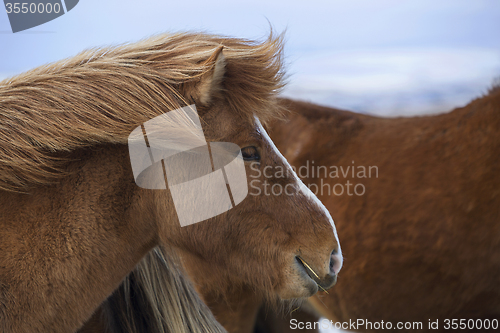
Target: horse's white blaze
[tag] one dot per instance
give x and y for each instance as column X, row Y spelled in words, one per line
column 303, row 188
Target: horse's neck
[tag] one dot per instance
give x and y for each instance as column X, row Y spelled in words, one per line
column 66, row 247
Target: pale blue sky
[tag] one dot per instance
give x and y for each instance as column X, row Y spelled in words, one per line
column 385, row 56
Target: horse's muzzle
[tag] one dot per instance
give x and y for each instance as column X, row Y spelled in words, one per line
column 328, row 280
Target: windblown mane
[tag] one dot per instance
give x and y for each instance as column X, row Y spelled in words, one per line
column 156, row 297
column 101, row 95
column 495, row 85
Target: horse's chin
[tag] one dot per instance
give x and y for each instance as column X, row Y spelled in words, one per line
column 301, row 290
column 298, row 283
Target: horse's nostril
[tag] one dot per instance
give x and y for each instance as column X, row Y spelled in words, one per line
column 335, row 263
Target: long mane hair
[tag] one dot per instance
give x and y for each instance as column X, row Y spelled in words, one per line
column 101, row 95
column 156, row 297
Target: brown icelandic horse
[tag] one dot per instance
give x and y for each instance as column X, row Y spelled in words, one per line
column 424, row 237
column 73, row 223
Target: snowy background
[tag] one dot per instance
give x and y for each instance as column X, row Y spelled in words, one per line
column 385, row 57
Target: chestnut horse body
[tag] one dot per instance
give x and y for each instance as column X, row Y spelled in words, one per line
column 424, row 235
column 73, row 223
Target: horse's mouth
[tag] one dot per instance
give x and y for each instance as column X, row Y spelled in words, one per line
column 322, row 284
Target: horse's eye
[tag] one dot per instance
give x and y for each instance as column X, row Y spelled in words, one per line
column 250, row 153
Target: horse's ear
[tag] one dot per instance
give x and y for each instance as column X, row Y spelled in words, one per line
column 211, row 81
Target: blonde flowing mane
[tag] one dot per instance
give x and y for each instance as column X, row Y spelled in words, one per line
column 157, row 297
column 101, row 95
